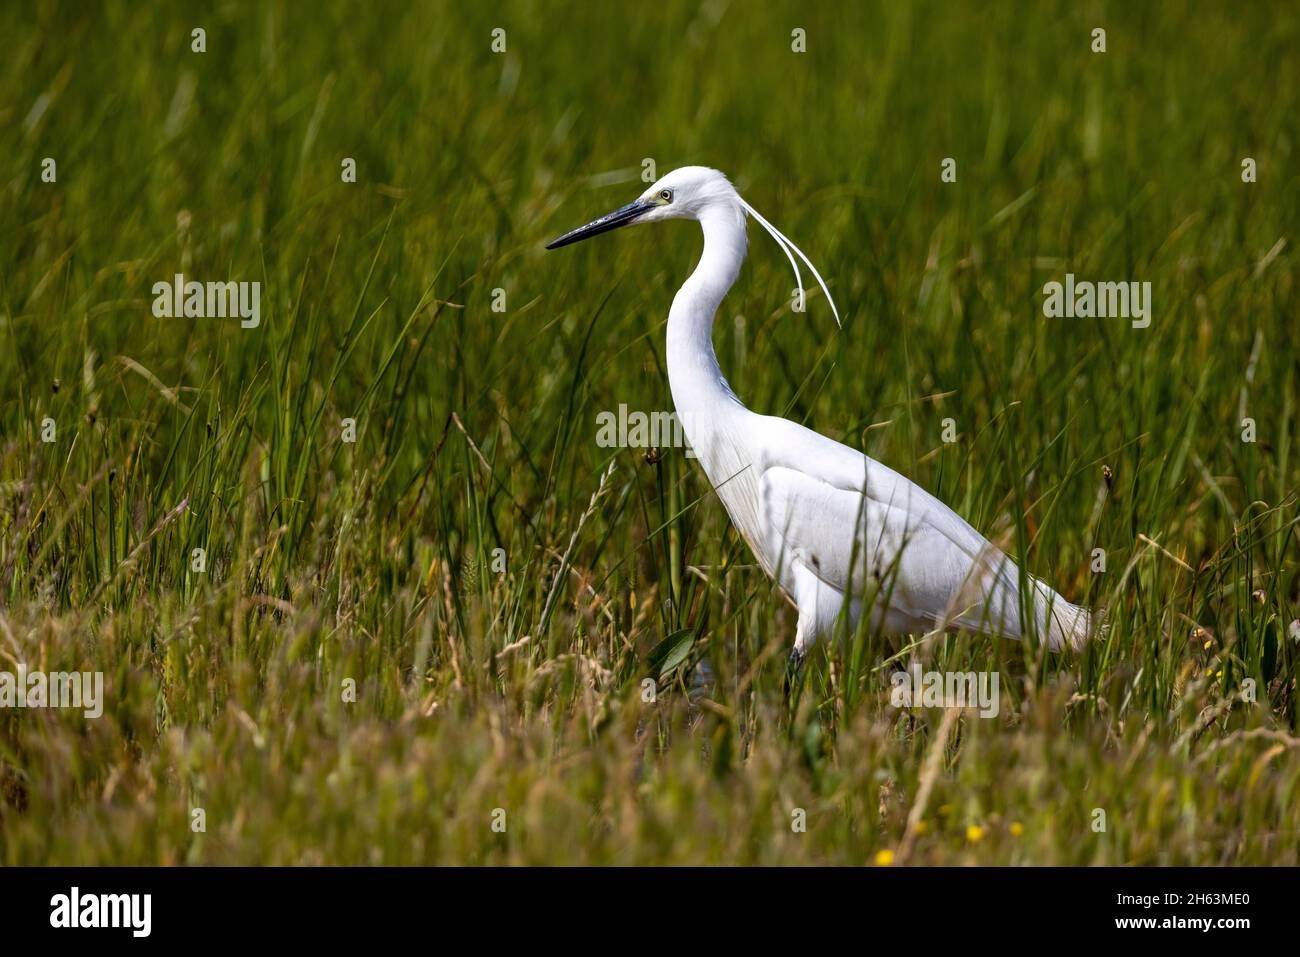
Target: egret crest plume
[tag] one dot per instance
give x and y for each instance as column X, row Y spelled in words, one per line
column 786, row 246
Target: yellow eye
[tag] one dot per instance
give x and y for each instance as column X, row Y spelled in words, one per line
column 666, row 195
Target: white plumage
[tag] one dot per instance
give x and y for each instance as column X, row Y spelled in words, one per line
column 821, row 517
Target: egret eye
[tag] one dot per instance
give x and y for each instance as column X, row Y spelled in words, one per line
column 666, row 195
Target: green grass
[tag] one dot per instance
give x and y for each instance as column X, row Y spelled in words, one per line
column 372, row 561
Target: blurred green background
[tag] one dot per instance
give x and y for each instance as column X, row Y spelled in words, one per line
column 373, row 562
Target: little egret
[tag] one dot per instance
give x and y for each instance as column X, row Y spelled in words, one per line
column 819, row 516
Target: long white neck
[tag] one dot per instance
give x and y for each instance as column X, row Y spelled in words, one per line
column 700, row 393
column 715, row 421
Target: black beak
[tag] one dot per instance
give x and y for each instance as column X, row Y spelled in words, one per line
column 619, row 217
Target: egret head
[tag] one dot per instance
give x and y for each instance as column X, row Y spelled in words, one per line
column 691, row 192
column 685, row 193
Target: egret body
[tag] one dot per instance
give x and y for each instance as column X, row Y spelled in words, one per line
column 829, row 523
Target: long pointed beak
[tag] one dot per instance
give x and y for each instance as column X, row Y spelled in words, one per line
column 622, row 216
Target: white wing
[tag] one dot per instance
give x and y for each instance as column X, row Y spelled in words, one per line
column 842, row 516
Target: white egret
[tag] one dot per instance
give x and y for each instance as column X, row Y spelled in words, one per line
column 819, row 516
